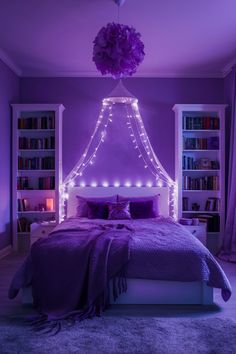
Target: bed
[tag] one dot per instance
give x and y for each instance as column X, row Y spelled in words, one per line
column 167, row 264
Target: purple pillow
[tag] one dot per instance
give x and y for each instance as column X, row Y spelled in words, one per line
column 142, row 210
column 82, row 207
column 143, row 207
column 119, row 211
column 97, row 210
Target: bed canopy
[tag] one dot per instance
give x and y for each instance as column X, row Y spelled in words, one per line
column 120, row 104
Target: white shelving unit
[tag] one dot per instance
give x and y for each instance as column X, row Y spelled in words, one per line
column 190, row 121
column 29, row 194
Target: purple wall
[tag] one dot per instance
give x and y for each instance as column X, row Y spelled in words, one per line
column 9, row 93
column 228, row 97
column 82, row 100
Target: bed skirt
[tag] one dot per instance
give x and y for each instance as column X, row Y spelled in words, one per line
column 154, row 292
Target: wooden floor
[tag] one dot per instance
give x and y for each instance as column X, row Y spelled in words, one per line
column 9, row 265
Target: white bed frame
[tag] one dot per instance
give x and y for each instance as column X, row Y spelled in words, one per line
column 144, row 291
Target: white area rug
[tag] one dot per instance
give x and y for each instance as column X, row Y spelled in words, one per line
column 124, row 335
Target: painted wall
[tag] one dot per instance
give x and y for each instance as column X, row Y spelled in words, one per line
column 9, row 93
column 82, row 99
column 228, row 98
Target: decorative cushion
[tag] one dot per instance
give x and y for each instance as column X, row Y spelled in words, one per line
column 143, row 207
column 82, row 207
column 97, row 210
column 119, row 211
column 142, row 210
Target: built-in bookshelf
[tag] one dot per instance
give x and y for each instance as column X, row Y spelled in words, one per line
column 200, row 166
column 37, row 166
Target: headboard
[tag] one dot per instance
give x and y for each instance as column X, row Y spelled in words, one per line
column 125, row 191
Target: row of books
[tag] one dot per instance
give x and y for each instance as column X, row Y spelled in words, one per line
column 201, row 123
column 23, row 183
column 45, row 122
column 212, row 204
column 33, row 143
column 211, row 143
column 46, row 182
column 23, row 225
column 185, row 203
column 22, row 204
column 36, row 163
column 43, row 183
column 201, row 183
column 189, row 163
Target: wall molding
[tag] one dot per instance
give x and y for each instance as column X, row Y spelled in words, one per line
column 9, row 62
column 5, row 251
column 218, row 74
column 227, row 69
column 96, row 74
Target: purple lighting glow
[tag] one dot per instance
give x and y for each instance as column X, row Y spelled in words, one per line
column 126, row 111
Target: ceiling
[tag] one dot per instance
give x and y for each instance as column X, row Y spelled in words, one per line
column 182, row 38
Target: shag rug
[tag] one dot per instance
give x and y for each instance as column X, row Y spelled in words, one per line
column 124, row 335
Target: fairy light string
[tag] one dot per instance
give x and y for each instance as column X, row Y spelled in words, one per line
column 141, row 144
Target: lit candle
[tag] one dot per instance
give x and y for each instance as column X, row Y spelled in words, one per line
column 49, row 204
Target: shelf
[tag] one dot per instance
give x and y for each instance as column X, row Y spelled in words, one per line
column 36, row 171
column 35, row 190
column 36, row 130
column 201, row 170
column 35, row 150
column 200, row 130
column 200, row 150
column 200, row 190
column 200, row 212
column 199, row 158
column 35, row 212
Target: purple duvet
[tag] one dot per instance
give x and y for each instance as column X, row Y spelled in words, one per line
column 159, row 249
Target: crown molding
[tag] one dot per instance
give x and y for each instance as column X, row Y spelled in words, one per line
column 4, row 57
column 96, row 74
column 229, row 66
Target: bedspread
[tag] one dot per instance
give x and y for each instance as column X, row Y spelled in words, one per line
column 71, row 269
column 162, row 249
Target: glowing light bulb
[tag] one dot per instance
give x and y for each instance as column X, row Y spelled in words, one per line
column 116, row 184
column 71, row 183
column 149, row 184
column 159, row 183
column 139, row 184
column 105, row 184
column 128, row 184
column 82, row 184
column 94, row 184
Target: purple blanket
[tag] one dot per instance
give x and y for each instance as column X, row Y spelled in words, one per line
column 71, row 269
column 159, row 249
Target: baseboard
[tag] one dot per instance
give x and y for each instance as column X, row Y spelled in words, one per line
column 5, row 251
